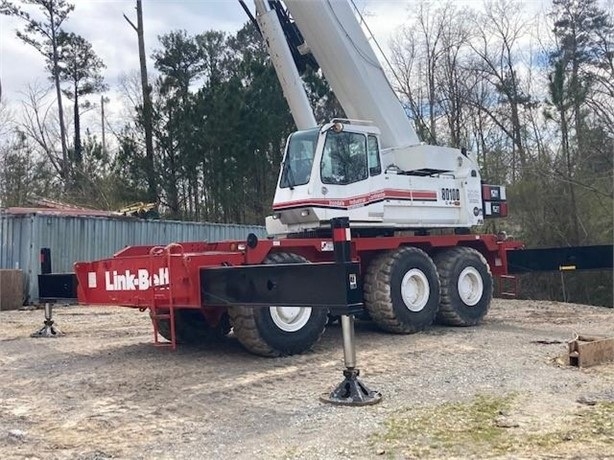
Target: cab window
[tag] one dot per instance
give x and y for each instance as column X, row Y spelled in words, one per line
column 299, row 158
column 375, row 165
column 344, row 159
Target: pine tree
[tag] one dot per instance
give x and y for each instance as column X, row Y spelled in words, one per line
column 577, row 28
column 81, row 68
column 43, row 36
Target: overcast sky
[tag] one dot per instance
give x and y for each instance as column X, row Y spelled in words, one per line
column 101, row 22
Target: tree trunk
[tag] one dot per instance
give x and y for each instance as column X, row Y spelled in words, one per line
column 56, row 79
column 517, row 130
column 147, row 109
column 432, row 121
column 573, row 211
column 78, row 149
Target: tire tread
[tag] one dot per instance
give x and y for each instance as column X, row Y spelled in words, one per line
column 448, row 314
column 243, row 319
column 377, row 291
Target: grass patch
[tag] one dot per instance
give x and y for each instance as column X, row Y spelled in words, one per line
column 473, row 429
column 592, row 427
column 450, row 428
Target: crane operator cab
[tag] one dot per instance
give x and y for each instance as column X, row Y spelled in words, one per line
column 324, row 168
column 346, row 158
column 339, row 169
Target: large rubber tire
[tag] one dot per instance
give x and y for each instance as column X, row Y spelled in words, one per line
column 258, row 329
column 191, row 328
column 466, row 286
column 401, row 290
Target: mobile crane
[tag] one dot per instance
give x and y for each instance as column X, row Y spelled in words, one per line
column 408, row 255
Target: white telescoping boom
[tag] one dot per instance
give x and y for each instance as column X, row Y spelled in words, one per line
column 351, row 68
column 287, row 74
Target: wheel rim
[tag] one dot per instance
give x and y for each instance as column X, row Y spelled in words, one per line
column 415, row 290
column 470, row 286
column 290, row 319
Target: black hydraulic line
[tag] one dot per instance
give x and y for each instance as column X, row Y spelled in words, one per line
column 250, row 16
column 294, row 38
column 291, row 32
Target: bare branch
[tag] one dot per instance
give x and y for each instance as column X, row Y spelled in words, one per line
column 136, row 29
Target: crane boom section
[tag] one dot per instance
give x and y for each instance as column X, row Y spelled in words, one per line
column 287, row 74
column 337, row 41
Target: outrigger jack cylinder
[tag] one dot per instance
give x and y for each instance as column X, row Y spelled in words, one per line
column 351, row 391
column 48, row 330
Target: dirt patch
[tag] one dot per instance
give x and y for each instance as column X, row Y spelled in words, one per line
column 499, row 390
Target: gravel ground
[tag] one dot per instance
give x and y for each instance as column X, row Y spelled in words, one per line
column 500, row 390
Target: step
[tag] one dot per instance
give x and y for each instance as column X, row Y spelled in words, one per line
column 161, row 316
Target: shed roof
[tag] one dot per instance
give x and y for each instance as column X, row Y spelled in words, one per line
column 60, row 212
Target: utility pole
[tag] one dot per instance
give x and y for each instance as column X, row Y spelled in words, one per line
column 147, row 107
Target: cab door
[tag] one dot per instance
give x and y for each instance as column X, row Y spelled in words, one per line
column 346, row 173
column 377, row 185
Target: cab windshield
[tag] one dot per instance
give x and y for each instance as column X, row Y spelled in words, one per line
column 299, row 158
column 344, row 160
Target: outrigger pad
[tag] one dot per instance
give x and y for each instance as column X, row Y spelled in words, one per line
column 352, row 392
column 48, row 330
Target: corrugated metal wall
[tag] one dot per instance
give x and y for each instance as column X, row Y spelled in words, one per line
column 76, row 238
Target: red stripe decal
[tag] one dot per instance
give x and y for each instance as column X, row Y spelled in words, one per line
column 362, row 200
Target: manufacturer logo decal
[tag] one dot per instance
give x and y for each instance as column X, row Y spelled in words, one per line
column 130, row 281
